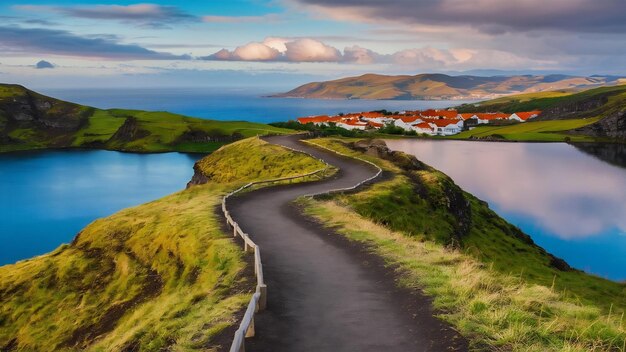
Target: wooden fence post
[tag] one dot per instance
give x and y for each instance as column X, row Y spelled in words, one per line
column 263, row 298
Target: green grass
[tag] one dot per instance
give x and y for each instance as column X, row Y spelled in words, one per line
column 100, row 127
column 537, row 131
column 248, row 163
column 491, row 281
column 159, row 276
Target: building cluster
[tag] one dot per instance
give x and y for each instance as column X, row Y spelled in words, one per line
column 430, row 122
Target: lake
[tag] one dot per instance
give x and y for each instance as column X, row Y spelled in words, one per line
column 49, row 196
column 231, row 103
column 570, row 200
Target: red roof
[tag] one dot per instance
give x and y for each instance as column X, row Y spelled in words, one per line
column 313, row 119
column 527, row 114
column 371, row 114
column 423, row 125
column 375, row 124
column 445, row 122
column 446, row 114
column 409, row 119
column 466, row 116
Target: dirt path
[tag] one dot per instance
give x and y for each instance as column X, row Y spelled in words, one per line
column 324, row 292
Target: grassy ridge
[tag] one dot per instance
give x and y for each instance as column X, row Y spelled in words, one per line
column 51, row 123
column 564, row 113
column 160, row 276
column 533, row 131
column 542, row 100
column 491, row 280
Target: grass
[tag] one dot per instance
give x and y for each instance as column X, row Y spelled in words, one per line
column 249, row 163
column 491, row 281
column 536, row 131
column 159, row 276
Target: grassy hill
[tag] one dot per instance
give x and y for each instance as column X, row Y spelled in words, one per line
column 29, row 120
column 440, row 86
column 162, row 276
column 487, row 277
column 589, row 115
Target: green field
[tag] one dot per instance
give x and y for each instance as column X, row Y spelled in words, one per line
column 489, row 280
column 157, row 277
column 533, row 131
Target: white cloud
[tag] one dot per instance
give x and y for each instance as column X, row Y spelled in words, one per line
column 298, row 50
column 311, row 50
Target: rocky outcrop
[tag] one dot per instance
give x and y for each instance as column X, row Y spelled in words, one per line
column 573, row 110
column 198, row 178
column 612, row 126
column 129, row 131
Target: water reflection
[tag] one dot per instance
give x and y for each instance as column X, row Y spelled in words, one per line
column 611, row 153
column 555, row 193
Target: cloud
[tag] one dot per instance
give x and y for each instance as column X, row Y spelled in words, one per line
column 296, row 50
column 280, row 49
column 43, row 64
column 248, row 52
column 489, row 16
column 144, row 15
column 59, row 42
column 310, row 50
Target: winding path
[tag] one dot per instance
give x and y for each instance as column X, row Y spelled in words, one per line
column 324, row 292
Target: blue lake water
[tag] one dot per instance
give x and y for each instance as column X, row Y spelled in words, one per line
column 47, row 197
column 570, row 202
column 231, row 103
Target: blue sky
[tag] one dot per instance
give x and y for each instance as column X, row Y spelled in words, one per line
column 196, row 43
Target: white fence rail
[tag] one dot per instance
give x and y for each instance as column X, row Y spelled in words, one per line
column 258, row 302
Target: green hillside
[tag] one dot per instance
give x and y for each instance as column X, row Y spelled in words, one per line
column 597, row 100
column 162, row 276
column 487, row 277
column 29, row 120
column 533, row 131
column 594, row 114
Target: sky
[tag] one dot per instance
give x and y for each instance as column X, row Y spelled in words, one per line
column 288, row 42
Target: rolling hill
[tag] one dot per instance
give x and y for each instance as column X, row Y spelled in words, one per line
column 442, row 87
column 29, row 120
column 603, row 109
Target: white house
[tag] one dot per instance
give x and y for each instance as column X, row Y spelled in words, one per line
column 425, row 127
column 448, row 127
column 406, row 122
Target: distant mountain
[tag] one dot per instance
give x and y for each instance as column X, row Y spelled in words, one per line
column 443, row 87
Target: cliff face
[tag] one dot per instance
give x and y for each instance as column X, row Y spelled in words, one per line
column 612, row 126
column 574, row 110
column 21, row 106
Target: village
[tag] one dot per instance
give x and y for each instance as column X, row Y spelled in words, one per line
column 428, row 122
